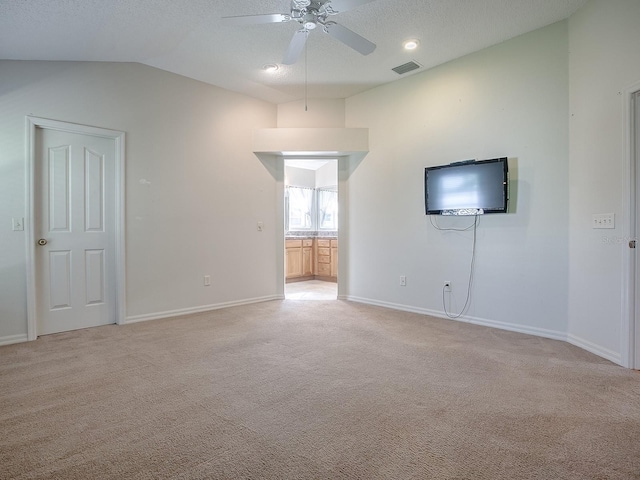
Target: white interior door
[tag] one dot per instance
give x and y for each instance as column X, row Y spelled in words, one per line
column 635, row 361
column 74, row 223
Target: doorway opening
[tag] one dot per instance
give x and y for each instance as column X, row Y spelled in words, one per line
column 311, row 228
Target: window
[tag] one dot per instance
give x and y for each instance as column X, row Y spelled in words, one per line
column 311, row 209
column 327, row 208
column 299, row 208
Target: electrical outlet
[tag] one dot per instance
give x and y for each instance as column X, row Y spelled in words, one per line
column 447, row 286
column 403, row 281
column 207, row 280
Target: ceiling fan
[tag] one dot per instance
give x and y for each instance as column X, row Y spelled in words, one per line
column 311, row 14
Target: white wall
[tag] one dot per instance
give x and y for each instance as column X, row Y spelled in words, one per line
column 320, row 113
column 327, row 175
column 509, row 100
column 195, row 213
column 604, row 61
column 299, row 177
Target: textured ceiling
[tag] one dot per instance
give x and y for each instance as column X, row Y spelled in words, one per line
column 188, row 38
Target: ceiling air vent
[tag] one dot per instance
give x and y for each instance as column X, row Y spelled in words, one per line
column 407, row 67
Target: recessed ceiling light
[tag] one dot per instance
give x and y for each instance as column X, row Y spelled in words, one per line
column 411, row 44
column 270, row 67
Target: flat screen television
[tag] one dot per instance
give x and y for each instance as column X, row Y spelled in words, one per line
column 467, row 188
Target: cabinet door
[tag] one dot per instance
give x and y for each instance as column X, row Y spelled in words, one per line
column 307, row 261
column 324, row 269
column 293, row 262
column 334, row 261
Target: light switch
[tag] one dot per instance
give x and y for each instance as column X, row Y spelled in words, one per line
column 603, row 220
column 18, row 224
column 260, row 226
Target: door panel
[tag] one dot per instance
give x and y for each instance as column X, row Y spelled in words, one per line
column 59, row 208
column 75, row 214
column 94, row 206
column 60, row 279
column 94, row 267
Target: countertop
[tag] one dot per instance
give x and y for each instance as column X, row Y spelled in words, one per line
column 299, row 235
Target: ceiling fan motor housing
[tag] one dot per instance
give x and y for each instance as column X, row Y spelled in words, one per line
column 309, row 13
column 310, row 20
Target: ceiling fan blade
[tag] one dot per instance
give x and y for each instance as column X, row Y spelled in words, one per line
column 256, row 19
column 350, row 38
column 295, row 47
column 344, row 5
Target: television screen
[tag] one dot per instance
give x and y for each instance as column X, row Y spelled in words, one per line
column 467, row 188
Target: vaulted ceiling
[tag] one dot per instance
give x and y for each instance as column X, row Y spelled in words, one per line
column 189, row 37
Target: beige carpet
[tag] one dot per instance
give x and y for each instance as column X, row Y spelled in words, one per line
column 313, row 389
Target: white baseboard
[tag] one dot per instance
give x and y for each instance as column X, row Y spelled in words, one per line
column 204, row 308
column 615, row 357
column 10, row 339
column 540, row 332
column 512, row 327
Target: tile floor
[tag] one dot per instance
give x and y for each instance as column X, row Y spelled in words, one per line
column 311, row 290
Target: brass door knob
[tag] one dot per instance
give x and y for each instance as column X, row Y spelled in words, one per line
column 42, row 242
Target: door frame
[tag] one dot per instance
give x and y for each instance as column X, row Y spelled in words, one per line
column 280, row 205
column 32, row 124
column 630, row 331
column 347, row 162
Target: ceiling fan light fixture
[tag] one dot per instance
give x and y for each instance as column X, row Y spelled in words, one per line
column 310, row 20
column 411, row 44
column 270, row 67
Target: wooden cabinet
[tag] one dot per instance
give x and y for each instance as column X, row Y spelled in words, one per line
column 326, row 258
column 323, row 257
column 293, row 258
column 306, row 258
column 298, row 258
column 334, row 258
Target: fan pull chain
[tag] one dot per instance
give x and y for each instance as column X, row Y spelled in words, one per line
column 306, row 46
